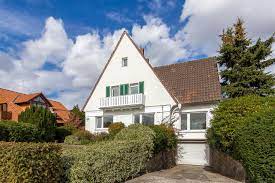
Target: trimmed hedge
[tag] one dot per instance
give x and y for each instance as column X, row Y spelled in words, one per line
column 255, row 146
column 165, row 138
column 110, row 161
column 61, row 132
column 231, row 115
column 19, row 132
column 30, row 162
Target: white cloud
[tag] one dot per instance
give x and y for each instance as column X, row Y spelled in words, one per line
column 161, row 48
column 209, row 17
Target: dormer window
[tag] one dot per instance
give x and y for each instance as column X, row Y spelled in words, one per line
column 124, row 62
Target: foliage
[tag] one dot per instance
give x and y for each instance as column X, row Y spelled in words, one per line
column 43, row 118
column 255, row 146
column 77, row 117
column 165, row 138
column 61, row 132
column 80, row 137
column 135, row 131
column 244, row 63
column 114, row 128
column 70, row 127
column 230, row 115
column 29, row 162
column 20, row 132
column 110, row 161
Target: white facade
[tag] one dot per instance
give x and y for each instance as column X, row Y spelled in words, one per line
column 154, row 102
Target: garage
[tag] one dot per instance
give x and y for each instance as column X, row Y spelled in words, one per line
column 193, row 153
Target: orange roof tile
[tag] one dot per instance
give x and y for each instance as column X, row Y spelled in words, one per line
column 61, row 111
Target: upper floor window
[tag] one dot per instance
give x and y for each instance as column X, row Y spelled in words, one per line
column 125, row 89
column 3, row 107
column 134, row 89
column 115, row 91
column 124, row 62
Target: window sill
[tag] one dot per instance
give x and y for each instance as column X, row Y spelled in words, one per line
column 192, row 131
column 101, row 129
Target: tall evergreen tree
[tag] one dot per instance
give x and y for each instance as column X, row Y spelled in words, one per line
column 243, row 63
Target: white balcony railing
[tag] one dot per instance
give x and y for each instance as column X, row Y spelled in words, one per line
column 121, row 101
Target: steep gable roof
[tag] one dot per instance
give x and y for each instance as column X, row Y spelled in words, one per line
column 60, row 110
column 193, row 81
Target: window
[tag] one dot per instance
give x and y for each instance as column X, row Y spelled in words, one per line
column 184, row 121
column 137, row 118
column 197, row 121
column 124, row 61
column 148, row 118
column 144, row 118
column 134, row 88
column 3, row 107
column 193, row 121
column 115, row 91
column 104, row 122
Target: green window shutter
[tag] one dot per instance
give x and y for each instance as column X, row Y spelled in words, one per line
column 107, row 91
column 126, row 87
column 141, row 87
column 121, row 90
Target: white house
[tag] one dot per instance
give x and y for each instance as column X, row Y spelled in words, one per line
column 131, row 90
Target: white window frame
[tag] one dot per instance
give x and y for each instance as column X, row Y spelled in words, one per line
column 130, row 89
column 140, row 117
column 102, row 122
column 189, row 122
column 124, row 62
column 112, row 94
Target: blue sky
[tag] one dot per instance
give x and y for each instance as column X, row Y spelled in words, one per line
column 60, row 47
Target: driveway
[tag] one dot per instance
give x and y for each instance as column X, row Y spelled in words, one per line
column 183, row 173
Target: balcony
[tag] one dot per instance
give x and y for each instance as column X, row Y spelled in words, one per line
column 4, row 115
column 129, row 101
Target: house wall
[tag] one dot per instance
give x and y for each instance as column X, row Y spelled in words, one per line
column 136, row 71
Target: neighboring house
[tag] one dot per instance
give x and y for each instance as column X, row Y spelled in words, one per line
column 13, row 103
column 130, row 90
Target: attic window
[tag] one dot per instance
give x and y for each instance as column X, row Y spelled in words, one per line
column 124, row 62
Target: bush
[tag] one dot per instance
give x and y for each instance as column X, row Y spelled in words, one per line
column 61, row 132
column 255, row 146
column 29, row 162
column 134, row 132
column 80, row 137
column 165, row 138
column 230, row 115
column 19, row 132
column 110, row 161
column 114, row 128
column 42, row 118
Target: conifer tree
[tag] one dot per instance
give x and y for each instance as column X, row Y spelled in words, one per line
column 243, row 63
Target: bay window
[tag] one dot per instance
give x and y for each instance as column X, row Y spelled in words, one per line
column 104, row 121
column 144, row 118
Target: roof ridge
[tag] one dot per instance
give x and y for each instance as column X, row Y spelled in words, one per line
column 20, row 92
column 184, row 62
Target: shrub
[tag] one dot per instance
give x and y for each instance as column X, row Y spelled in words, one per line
column 110, row 161
column 230, row 115
column 255, row 146
column 80, row 137
column 19, row 132
column 61, row 132
column 114, row 128
column 29, row 162
column 42, row 118
column 135, row 131
column 165, row 138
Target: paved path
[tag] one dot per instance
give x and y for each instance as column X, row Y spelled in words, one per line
column 183, row 173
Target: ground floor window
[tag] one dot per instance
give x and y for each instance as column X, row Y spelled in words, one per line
column 193, row 121
column 104, row 121
column 144, row 118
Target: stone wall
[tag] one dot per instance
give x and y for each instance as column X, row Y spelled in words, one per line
column 226, row 165
column 162, row 160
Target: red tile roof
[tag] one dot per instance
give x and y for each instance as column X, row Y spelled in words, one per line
column 60, row 110
column 192, row 82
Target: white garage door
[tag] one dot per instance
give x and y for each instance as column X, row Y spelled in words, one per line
column 193, row 153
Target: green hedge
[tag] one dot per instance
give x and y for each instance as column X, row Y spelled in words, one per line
column 61, row 133
column 110, row 161
column 165, row 138
column 19, row 132
column 231, row 115
column 255, row 146
column 115, row 128
column 30, row 162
